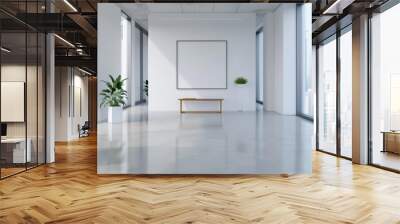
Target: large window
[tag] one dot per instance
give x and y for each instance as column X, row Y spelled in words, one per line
column 327, row 96
column 346, row 92
column 335, row 94
column 306, row 90
column 126, row 55
column 385, row 89
column 260, row 63
column 140, row 64
column 306, row 57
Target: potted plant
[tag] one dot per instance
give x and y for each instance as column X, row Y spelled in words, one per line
column 240, row 81
column 114, row 97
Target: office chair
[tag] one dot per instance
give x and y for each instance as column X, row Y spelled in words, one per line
column 84, row 130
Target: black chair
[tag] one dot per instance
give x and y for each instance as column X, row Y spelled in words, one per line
column 84, row 130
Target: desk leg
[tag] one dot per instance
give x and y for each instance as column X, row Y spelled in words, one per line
column 220, row 106
column 180, row 106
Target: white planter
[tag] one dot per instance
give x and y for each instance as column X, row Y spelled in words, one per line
column 241, row 87
column 114, row 114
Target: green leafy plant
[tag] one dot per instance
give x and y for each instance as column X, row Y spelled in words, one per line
column 114, row 95
column 146, row 87
column 240, row 81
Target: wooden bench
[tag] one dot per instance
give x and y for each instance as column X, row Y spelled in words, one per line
column 181, row 100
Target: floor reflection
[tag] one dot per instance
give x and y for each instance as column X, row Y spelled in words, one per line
column 228, row 143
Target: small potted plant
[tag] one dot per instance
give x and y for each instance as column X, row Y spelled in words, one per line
column 240, row 81
column 114, row 97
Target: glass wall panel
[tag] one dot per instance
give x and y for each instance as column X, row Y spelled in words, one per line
column 327, row 96
column 31, row 98
column 14, row 153
column 259, row 69
column 22, row 88
column 346, row 93
column 385, row 87
column 41, row 79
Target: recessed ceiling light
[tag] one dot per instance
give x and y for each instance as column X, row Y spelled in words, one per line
column 5, row 50
column 70, row 5
column 84, row 71
column 337, row 7
column 64, row 40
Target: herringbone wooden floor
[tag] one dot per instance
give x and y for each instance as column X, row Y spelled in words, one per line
column 70, row 191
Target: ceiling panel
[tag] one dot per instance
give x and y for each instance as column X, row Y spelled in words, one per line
column 225, row 7
column 205, row 7
column 140, row 11
column 164, row 8
column 188, row 7
column 257, row 7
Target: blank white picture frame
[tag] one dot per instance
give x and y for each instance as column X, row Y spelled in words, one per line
column 201, row 64
column 12, row 101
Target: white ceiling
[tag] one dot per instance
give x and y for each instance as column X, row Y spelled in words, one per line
column 140, row 11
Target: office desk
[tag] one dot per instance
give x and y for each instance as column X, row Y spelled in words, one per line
column 13, row 150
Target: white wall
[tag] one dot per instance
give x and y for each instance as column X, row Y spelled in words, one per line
column 165, row 29
column 280, row 60
column 108, row 47
column 62, row 81
column 66, row 119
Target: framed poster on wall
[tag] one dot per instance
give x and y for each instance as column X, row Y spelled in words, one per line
column 201, row 64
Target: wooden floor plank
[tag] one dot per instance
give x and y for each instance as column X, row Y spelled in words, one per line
column 70, row 191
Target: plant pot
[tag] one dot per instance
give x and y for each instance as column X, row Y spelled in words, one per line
column 114, row 114
column 241, row 87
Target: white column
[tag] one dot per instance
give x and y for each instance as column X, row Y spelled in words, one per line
column 50, row 99
column 360, row 90
column 280, row 60
column 269, row 62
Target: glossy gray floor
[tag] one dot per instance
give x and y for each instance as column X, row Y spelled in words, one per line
column 227, row 143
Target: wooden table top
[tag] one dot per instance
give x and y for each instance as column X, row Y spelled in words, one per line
column 201, row 99
column 391, row 132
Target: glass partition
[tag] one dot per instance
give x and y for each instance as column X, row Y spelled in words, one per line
column 32, row 98
column 22, row 101
column 41, row 107
column 14, row 145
